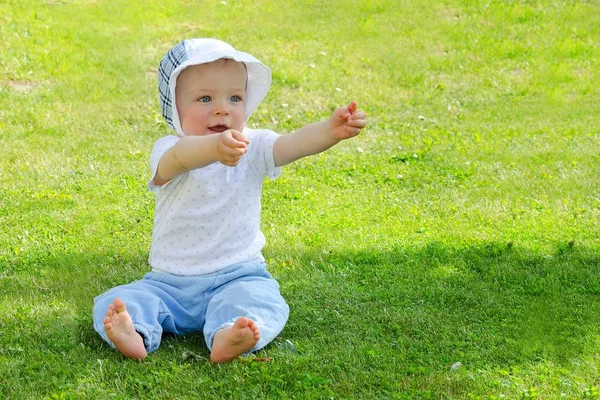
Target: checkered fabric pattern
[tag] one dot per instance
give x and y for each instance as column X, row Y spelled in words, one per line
column 174, row 58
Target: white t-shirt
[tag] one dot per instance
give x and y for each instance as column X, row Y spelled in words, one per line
column 209, row 218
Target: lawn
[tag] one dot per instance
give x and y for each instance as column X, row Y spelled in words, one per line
column 450, row 251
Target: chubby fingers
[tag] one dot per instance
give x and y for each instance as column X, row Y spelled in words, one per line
column 352, row 107
column 239, row 136
column 234, row 139
column 232, row 146
column 347, row 111
column 356, row 122
column 357, row 116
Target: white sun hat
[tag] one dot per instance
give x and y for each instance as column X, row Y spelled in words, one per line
column 202, row 51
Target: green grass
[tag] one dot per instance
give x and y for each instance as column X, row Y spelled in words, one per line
column 462, row 226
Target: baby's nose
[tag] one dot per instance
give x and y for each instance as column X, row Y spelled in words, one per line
column 221, row 108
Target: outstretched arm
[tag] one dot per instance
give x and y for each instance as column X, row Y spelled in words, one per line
column 192, row 152
column 344, row 123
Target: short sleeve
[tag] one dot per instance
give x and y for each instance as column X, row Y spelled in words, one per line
column 158, row 150
column 263, row 142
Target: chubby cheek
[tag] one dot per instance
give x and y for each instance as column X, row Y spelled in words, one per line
column 193, row 124
column 239, row 121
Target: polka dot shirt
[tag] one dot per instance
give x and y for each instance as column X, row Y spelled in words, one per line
column 209, row 218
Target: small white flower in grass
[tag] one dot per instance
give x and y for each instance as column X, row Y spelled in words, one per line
column 284, row 105
column 312, row 65
column 455, row 366
column 224, row 3
column 337, row 89
column 421, row 117
column 324, row 53
column 359, row 149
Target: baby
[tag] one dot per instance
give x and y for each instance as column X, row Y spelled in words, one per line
column 208, row 273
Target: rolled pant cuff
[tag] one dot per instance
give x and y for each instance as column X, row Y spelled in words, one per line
column 211, row 336
column 146, row 336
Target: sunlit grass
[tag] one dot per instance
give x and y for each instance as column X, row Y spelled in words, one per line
column 462, row 226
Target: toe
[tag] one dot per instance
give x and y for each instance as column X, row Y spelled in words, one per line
column 241, row 322
column 119, row 305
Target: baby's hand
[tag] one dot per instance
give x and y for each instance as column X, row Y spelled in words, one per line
column 231, row 146
column 347, row 122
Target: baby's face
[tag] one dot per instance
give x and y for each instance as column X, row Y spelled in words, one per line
column 211, row 98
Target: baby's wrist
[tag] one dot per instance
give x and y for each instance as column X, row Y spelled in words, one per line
column 216, row 143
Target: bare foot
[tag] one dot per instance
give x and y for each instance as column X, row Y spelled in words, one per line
column 120, row 331
column 235, row 340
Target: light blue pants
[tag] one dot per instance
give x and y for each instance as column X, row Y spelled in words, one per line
column 163, row 302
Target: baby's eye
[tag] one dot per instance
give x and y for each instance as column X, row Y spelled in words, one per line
column 236, row 99
column 204, row 99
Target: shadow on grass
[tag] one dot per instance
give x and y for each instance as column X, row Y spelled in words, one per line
column 485, row 306
column 408, row 310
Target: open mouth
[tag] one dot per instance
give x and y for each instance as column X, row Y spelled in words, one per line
column 218, row 128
